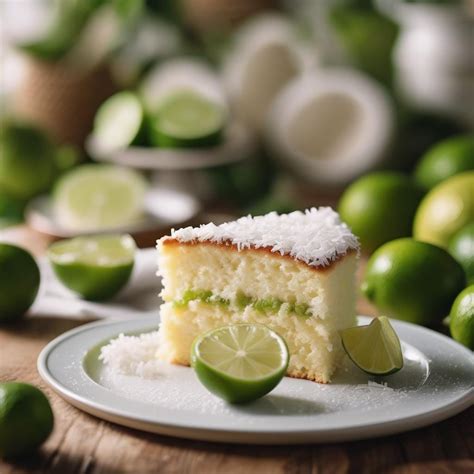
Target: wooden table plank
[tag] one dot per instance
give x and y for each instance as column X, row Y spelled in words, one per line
column 83, row 444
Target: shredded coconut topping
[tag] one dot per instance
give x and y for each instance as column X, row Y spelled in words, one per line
column 315, row 236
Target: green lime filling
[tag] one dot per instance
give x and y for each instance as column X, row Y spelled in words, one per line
column 242, row 300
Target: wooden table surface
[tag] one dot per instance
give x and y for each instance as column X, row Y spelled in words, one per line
column 83, row 444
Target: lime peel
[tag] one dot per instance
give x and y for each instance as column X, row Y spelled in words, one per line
column 95, row 267
column 374, row 348
column 240, row 363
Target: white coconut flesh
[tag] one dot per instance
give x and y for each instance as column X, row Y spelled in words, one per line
column 331, row 125
column 266, row 73
column 265, row 57
column 327, row 127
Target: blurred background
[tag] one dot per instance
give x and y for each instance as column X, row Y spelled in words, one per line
column 204, row 110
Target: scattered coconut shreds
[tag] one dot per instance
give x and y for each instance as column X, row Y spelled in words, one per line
column 134, row 355
column 371, row 383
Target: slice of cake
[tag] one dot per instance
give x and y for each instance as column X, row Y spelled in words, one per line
column 293, row 272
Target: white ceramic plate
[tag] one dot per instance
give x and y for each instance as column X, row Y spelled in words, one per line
column 164, row 208
column 436, row 383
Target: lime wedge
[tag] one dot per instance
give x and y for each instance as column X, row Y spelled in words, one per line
column 118, row 122
column 240, row 363
column 99, row 197
column 97, row 267
column 188, row 120
column 374, row 348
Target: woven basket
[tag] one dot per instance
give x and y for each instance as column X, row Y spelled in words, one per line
column 62, row 99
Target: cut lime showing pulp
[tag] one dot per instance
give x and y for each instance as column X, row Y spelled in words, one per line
column 99, row 197
column 118, row 122
column 240, row 363
column 96, row 268
column 188, row 120
column 374, row 348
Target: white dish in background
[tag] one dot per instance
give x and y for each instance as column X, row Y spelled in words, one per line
column 138, row 299
column 436, row 383
column 164, row 208
column 238, row 144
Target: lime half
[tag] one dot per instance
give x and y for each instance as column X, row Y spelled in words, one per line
column 240, row 363
column 118, row 122
column 188, row 120
column 374, row 348
column 96, row 268
column 99, row 197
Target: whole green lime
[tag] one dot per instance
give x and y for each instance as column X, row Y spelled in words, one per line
column 446, row 159
column 461, row 247
column 413, row 281
column 27, row 160
column 461, row 318
column 19, row 281
column 26, row 418
column 445, row 210
column 380, row 207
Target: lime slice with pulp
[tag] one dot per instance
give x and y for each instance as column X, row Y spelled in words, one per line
column 118, row 122
column 97, row 267
column 374, row 348
column 188, row 120
column 240, row 363
column 99, row 197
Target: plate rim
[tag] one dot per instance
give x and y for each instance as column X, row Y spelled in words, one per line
column 256, row 435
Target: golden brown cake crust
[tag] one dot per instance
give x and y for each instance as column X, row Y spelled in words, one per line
column 230, row 246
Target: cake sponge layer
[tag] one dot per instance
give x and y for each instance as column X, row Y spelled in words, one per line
column 315, row 352
column 203, row 287
column 328, row 292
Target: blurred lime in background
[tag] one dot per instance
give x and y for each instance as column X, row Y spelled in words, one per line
column 367, row 37
column 27, row 161
column 26, row 419
column 67, row 156
column 11, row 210
column 461, row 247
column 119, row 122
column 413, row 281
column 380, row 207
column 445, row 159
column 19, row 281
column 97, row 197
column 418, row 132
column 187, row 120
column 97, row 267
column 244, row 183
column 461, row 318
column 445, row 210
